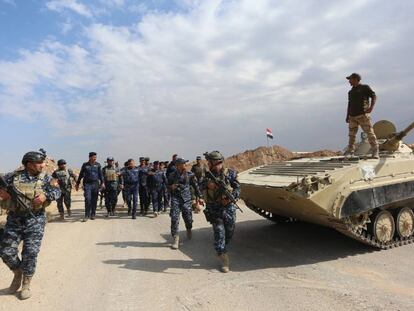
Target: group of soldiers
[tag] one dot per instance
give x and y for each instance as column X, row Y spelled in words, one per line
column 29, row 191
column 25, row 193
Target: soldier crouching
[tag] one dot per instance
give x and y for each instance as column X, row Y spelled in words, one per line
column 220, row 211
column 28, row 193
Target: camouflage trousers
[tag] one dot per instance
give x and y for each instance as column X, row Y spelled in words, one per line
column 179, row 206
column 29, row 230
column 363, row 120
column 157, row 197
column 64, row 198
column 224, row 224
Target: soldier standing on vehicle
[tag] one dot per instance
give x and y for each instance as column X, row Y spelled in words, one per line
column 220, row 211
column 65, row 177
column 91, row 173
column 358, row 113
column 111, row 179
column 33, row 192
column 179, row 183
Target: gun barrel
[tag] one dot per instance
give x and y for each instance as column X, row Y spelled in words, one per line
column 406, row 131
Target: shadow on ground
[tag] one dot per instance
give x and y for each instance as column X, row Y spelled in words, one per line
column 257, row 244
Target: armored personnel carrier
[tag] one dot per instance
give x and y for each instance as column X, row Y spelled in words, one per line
column 370, row 200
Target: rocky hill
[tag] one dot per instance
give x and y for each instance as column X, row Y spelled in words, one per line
column 266, row 155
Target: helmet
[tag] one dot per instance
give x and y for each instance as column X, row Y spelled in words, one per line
column 214, row 156
column 33, row 156
column 61, row 162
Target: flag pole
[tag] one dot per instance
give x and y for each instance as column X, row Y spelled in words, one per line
column 267, row 138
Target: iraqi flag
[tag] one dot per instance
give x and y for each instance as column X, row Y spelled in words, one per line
column 269, row 133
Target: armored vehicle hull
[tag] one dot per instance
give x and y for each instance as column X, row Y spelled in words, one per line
column 370, row 200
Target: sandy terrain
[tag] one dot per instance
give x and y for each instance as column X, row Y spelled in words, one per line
column 121, row 264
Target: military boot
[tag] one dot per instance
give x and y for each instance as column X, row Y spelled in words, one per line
column 69, row 212
column 25, row 293
column 176, row 242
column 375, row 154
column 17, row 281
column 225, row 263
column 189, row 234
column 62, row 216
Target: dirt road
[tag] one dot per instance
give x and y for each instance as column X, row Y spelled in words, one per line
column 121, row 264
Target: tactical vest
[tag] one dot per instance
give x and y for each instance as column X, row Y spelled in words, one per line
column 110, row 174
column 30, row 190
column 63, row 177
column 214, row 196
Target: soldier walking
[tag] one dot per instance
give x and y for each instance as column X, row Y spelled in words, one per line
column 64, row 177
column 144, row 199
column 157, row 182
column 130, row 183
column 179, row 182
column 91, row 173
column 220, row 211
column 358, row 113
column 111, row 180
column 26, row 218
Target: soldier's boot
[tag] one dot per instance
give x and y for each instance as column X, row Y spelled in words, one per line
column 25, row 293
column 62, row 216
column 225, row 263
column 69, row 212
column 189, row 234
column 17, row 281
column 375, row 154
column 176, row 242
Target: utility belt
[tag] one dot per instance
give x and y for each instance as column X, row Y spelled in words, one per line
column 91, row 182
column 26, row 213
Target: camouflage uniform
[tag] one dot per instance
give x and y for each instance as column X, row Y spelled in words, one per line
column 130, row 181
column 21, row 226
column 157, row 182
column 223, row 218
column 358, row 102
column 111, row 180
column 144, row 197
column 181, row 199
column 64, row 177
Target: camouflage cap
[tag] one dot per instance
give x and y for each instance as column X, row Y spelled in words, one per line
column 214, row 156
column 61, row 162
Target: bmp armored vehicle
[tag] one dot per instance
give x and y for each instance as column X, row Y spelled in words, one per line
column 370, row 200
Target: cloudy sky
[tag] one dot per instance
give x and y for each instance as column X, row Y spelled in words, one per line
column 129, row 78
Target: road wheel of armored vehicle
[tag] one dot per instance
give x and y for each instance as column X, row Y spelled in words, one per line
column 405, row 222
column 383, row 227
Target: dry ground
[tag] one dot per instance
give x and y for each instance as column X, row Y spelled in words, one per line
column 121, row 264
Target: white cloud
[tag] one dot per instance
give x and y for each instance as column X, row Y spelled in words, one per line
column 71, row 5
column 215, row 76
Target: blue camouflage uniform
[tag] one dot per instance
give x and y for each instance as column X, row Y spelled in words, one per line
column 181, row 199
column 111, row 180
column 223, row 218
column 130, row 181
column 21, row 226
column 144, row 198
column 92, row 180
column 157, row 183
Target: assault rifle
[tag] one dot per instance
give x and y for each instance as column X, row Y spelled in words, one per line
column 17, row 196
column 222, row 186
